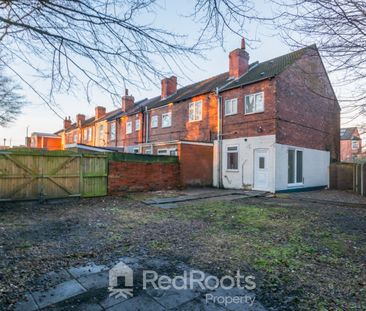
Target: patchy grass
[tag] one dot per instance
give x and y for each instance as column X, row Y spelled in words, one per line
column 305, row 256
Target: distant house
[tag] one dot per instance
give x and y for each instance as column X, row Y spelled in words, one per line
column 47, row 141
column 351, row 144
column 271, row 125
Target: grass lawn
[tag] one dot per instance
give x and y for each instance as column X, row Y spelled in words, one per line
column 304, row 256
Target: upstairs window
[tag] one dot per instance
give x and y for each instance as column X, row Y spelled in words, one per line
column 254, row 103
column 129, row 127
column 113, row 131
column 89, row 133
column 231, row 106
column 232, row 158
column 101, row 132
column 154, row 121
column 137, row 125
column 166, row 119
column 354, row 144
column 75, row 138
column 195, row 111
column 86, row 134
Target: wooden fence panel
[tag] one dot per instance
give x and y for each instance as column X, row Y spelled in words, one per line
column 37, row 175
column 94, row 176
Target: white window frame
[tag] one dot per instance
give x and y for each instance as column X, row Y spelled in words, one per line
column 86, row 133
column 295, row 183
column 148, row 151
column 136, row 150
column 129, row 127
column 193, row 106
column 112, row 134
column 137, row 125
column 89, row 133
column 255, row 103
column 227, row 157
column 154, row 121
column 353, row 143
column 167, row 152
column 75, row 138
column 231, row 103
column 101, row 132
column 168, row 114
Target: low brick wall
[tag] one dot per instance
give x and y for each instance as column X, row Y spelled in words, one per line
column 142, row 176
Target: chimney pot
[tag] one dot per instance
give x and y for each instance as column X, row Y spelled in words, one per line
column 168, row 86
column 100, row 112
column 238, row 61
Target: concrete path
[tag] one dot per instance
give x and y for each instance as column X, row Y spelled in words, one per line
column 87, row 288
column 202, row 194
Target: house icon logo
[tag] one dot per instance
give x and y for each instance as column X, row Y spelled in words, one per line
column 121, row 281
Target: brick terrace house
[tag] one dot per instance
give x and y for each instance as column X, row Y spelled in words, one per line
column 267, row 126
column 351, row 144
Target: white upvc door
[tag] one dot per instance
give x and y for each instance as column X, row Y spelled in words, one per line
column 261, row 169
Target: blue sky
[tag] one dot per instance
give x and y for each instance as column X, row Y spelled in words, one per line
column 40, row 118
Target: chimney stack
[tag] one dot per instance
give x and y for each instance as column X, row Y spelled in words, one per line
column 168, row 86
column 127, row 101
column 80, row 118
column 238, row 61
column 67, row 123
column 99, row 112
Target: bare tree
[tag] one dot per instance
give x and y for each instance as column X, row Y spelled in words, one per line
column 106, row 44
column 338, row 27
column 11, row 101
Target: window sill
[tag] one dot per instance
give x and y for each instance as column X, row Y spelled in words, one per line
column 192, row 121
column 233, row 171
column 295, row 185
column 230, row 114
column 249, row 113
column 166, row 126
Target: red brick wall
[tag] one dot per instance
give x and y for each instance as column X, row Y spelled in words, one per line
column 181, row 128
column 241, row 125
column 196, row 164
column 308, row 113
column 347, row 152
column 142, row 176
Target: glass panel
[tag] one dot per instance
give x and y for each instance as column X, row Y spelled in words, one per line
column 234, row 106
column 191, row 111
column 137, row 125
column 299, row 177
column 259, row 104
column 233, row 148
column 198, row 115
column 232, row 160
column 261, row 162
column 249, row 104
column 291, row 166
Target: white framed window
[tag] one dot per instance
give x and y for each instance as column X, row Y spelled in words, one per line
column 86, row 134
column 168, row 151
column 101, row 132
column 195, row 111
column 75, row 138
column 232, row 163
column 295, row 167
column 128, row 127
column 231, row 106
column 137, row 125
column 89, row 133
column 136, row 150
column 154, row 121
column 355, row 144
column 166, row 119
column 254, row 103
column 112, row 134
column 148, row 151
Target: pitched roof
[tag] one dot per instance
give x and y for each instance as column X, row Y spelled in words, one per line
column 268, row 69
column 347, row 133
column 44, row 134
column 257, row 72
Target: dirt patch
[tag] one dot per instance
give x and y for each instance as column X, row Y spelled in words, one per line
column 304, row 255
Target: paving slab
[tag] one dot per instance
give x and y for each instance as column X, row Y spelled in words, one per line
column 199, row 304
column 26, row 305
column 95, row 281
column 138, row 303
column 59, row 293
column 77, row 272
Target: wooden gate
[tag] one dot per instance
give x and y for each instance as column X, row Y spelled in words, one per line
column 29, row 175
